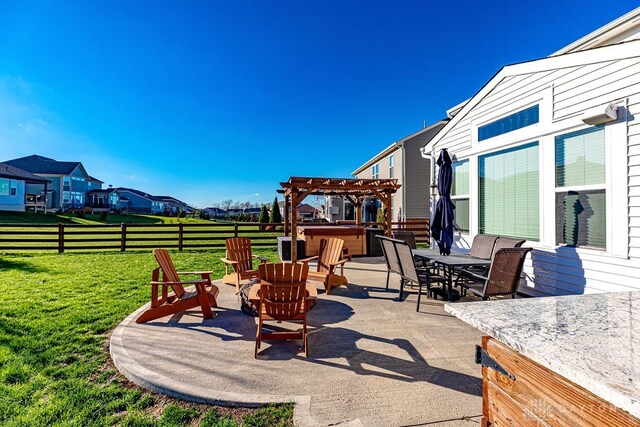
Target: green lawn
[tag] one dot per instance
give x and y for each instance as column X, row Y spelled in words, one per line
column 56, row 313
column 52, row 218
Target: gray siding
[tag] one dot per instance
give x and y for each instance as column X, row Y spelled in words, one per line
column 417, row 176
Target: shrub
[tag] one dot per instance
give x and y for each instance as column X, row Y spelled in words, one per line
column 275, row 212
column 80, row 214
column 103, row 216
column 264, row 215
column 182, row 214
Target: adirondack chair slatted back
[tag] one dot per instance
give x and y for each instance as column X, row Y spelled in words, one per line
column 283, row 289
column 283, row 272
column 330, row 252
column 239, row 249
column 505, row 271
column 391, row 255
column 169, row 273
column 482, row 246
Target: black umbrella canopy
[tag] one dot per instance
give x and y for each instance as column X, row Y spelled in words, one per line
column 442, row 219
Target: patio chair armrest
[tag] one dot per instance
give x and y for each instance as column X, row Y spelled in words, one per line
column 470, row 275
column 342, row 261
column 262, row 259
column 229, row 262
column 188, row 282
column 308, row 259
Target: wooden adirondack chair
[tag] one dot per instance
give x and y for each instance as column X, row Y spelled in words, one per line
column 283, row 298
column 163, row 305
column 329, row 258
column 240, row 259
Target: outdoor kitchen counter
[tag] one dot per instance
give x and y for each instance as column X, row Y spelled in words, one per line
column 591, row 340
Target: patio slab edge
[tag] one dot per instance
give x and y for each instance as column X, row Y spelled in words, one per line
column 150, row 380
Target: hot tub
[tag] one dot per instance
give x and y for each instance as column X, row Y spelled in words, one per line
column 353, row 235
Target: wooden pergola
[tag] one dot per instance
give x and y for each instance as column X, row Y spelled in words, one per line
column 355, row 190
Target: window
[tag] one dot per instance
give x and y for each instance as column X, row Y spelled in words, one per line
column 391, row 161
column 374, row 171
column 509, row 192
column 13, row 190
column 4, row 187
column 580, row 188
column 66, row 183
column 460, row 195
column 524, row 118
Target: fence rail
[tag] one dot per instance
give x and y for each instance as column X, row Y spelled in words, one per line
column 130, row 236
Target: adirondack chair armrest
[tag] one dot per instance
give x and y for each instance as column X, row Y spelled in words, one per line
column 262, row 259
column 228, row 261
column 187, row 282
column 342, row 261
column 199, row 273
column 308, row 259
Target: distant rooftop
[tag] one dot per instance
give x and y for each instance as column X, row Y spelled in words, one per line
column 11, row 172
column 44, row 165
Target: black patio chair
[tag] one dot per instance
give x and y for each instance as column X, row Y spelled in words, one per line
column 413, row 274
column 504, row 274
column 391, row 257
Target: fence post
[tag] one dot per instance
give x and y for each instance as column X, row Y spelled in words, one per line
column 60, row 238
column 235, row 229
column 180, row 236
column 123, row 237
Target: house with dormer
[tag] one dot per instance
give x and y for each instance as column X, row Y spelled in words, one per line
column 69, row 185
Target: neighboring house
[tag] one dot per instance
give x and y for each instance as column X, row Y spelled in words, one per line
column 13, row 185
column 304, row 210
column 215, row 213
column 136, row 201
column 70, row 182
column 108, row 198
column 173, row 205
column 539, row 156
column 397, row 161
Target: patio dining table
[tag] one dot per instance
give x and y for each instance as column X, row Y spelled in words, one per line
column 450, row 263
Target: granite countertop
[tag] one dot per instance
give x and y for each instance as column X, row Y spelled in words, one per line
column 592, row 340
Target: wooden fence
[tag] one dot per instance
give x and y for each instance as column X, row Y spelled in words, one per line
column 123, row 237
column 129, row 236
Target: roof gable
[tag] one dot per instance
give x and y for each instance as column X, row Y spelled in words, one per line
column 45, row 165
column 624, row 50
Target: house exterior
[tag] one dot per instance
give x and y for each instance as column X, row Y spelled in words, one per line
column 173, row 206
column 107, row 199
column 397, row 161
column 70, row 182
column 13, row 185
column 136, row 201
column 549, row 151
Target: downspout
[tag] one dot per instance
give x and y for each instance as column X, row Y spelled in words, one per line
column 404, row 182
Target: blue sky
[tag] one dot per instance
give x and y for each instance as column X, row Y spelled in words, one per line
column 211, row 100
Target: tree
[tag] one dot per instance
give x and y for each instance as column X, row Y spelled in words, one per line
column 264, row 215
column 226, row 204
column 276, row 217
column 381, row 217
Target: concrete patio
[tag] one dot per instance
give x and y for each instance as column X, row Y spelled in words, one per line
column 373, row 361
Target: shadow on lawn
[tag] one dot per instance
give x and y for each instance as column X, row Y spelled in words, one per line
column 6, row 264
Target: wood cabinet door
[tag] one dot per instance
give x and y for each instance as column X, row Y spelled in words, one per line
column 540, row 397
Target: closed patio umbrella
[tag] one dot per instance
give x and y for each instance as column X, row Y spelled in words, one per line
column 442, row 218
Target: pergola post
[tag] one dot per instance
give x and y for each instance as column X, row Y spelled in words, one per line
column 388, row 218
column 286, row 214
column 294, row 225
column 358, row 210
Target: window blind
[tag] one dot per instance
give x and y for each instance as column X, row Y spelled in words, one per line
column 580, row 158
column 509, row 192
column 460, row 184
